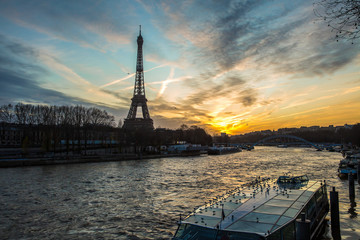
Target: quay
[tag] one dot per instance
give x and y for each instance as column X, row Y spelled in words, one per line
column 21, row 162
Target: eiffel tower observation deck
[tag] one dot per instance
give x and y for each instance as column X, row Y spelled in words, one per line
column 138, row 102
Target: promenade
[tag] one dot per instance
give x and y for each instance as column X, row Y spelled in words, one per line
column 71, row 159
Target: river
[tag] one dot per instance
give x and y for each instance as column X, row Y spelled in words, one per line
column 143, row 199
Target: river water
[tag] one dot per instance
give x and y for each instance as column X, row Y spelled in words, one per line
column 143, row 199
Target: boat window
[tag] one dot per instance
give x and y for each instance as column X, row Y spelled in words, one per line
column 271, row 209
column 303, row 199
column 304, row 178
column 205, row 218
column 274, row 236
column 291, row 212
column 194, row 233
column 313, row 188
column 284, row 179
column 280, row 202
column 310, row 208
column 288, row 196
column 288, row 232
column 251, row 227
column 283, row 220
column 324, row 191
column 237, row 235
column 318, row 197
column 261, row 218
column 180, row 230
column 298, row 205
column 308, row 193
column 321, row 198
column 293, row 180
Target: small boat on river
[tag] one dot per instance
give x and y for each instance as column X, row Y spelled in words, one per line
column 223, row 150
column 348, row 165
column 263, row 209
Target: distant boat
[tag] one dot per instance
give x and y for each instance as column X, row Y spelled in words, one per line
column 348, row 165
column 247, row 147
column 282, row 146
column 190, row 153
column 223, row 150
column 187, row 150
column 263, row 209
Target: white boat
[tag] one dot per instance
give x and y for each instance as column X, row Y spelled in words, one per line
column 264, row 209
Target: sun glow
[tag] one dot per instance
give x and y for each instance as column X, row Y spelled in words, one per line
column 229, row 125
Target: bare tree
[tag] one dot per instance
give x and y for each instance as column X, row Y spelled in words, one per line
column 7, row 113
column 342, row 16
column 22, row 113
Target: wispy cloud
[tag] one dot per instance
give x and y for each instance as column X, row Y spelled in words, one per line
column 23, row 72
column 127, row 77
column 90, row 24
column 166, row 82
column 118, row 80
column 19, row 71
column 234, row 65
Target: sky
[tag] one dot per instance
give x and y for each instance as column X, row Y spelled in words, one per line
column 224, row 65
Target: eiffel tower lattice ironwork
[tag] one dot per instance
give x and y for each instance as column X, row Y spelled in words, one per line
column 139, row 99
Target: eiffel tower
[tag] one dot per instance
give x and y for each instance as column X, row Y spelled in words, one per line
column 139, row 99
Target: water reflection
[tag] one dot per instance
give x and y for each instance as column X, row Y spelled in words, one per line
column 352, row 209
column 144, row 199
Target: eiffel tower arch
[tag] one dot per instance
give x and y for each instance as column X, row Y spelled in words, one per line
column 132, row 122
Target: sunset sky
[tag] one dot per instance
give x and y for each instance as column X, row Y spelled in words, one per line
column 227, row 66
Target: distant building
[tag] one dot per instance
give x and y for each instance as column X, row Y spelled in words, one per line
column 314, row 128
column 287, row 130
column 11, row 135
column 16, row 135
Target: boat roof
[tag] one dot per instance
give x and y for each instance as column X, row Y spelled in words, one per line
column 260, row 207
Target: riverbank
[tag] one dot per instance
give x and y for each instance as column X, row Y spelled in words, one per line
column 21, row 162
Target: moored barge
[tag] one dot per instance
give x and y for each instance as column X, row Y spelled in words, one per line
column 264, row 209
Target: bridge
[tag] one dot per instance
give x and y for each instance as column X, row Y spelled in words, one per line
column 287, row 137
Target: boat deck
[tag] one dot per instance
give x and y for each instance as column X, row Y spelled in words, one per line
column 259, row 208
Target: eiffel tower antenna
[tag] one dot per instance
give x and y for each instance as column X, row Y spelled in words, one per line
column 139, row 100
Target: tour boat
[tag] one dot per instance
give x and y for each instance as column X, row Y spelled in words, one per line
column 263, row 209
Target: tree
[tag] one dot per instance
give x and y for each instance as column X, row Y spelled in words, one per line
column 184, row 127
column 7, row 113
column 22, row 113
column 342, row 16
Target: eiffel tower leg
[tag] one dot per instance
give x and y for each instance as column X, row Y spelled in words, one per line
column 132, row 111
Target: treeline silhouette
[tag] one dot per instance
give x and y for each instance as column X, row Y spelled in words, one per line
column 76, row 129
column 27, row 114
